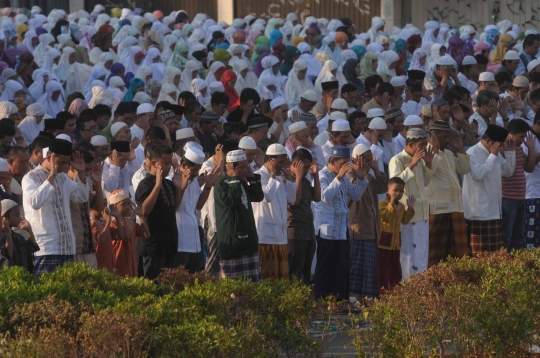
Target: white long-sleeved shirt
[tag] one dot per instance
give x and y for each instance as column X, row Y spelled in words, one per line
column 533, row 179
column 332, row 213
column 137, row 132
column 467, row 83
column 186, row 219
column 114, row 177
column 482, row 125
column 413, row 108
column 399, row 143
column 208, row 212
column 482, row 187
column 271, row 213
column 47, row 210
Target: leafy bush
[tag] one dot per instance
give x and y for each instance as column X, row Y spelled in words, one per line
column 78, row 312
column 471, row 307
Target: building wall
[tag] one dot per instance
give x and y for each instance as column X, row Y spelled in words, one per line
column 526, row 13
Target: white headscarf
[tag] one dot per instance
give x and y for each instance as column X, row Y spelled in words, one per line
column 143, row 72
column 295, row 87
column 51, row 55
column 250, row 81
column 117, row 87
column 168, row 41
column 52, row 108
column 129, row 60
column 122, row 34
column 431, row 26
column 314, row 66
column 198, row 85
column 211, row 73
column 170, row 73
column 504, row 26
column 28, row 36
column 38, row 86
column 415, row 63
column 124, row 46
column 376, row 22
column 386, row 58
column 96, row 74
column 291, row 17
column 86, row 34
column 326, row 75
column 29, row 126
column 434, row 56
column 103, row 59
column 166, row 90
column 10, row 88
column 77, row 74
column 97, row 92
column 264, row 91
column 157, row 67
column 268, row 63
column 185, row 79
column 41, row 50
column 102, row 19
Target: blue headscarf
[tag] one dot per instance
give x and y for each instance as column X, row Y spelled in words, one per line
column 361, row 51
column 491, row 35
column 133, row 86
column 275, row 35
column 223, row 46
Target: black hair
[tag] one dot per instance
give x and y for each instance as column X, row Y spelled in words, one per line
column 65, row 116
column 102, row 110
column 158, row 151
column 92, row 113
column 354, row 115
column 414, row 86
column 534, row 96
column 502, row 77
column 81, row 122
column 177, row 109
column 518, row 125
column 392, row 111
column 264, row 143
column 346, row 88
column 386, row 87
column 302, row 154
column 464, row 108
column 462, row 68
column 372, row 82
column 191, row 106
column 530, row 39
column 39, row 142
column 150, row 146
column 485, row 96
column 84, row 145
column 250, row 94
column 134, row 105
column 395, row 180
column 188, row 162
column 481, row 59
column 6, row 129
column 123, row 108
column 13, row 152
column 186, row 96
column 71, row 97
column 87, row 157
column 451, row 97
column 231, row 127
column 411, row 140
column 155, row 133
column 462, row 91
column 219, row 98
column 537, row 117
column 163, row 105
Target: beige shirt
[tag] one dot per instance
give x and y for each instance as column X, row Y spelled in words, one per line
column 444, row 189
column 370, row 105
column 415, row 180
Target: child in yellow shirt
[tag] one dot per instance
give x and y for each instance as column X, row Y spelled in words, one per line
column 393, row 214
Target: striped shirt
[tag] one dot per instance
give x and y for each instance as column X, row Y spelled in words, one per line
column 513, row 187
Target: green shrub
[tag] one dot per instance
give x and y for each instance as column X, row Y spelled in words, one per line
column 78, row 312
column 471, row 307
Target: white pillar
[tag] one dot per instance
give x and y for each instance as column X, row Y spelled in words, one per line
column 76, row 5
column 391, row 13
column 226, row 11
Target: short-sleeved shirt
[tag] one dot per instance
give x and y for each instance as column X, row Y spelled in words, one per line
column 162, row 220
column 513, row 188
column 300, row 217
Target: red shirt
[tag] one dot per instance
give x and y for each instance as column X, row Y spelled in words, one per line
column 513, row 188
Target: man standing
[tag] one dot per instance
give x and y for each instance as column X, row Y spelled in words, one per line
column 482, row 188
column 237, row 240
column 207, row 137
column 447, row 231
column 47, row 192
column 531, row 44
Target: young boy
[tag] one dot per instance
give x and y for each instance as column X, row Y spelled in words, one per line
column 193, row 199
column 101, row 233
column 393, row 215
column 15, row 250
column 124, row 233
column 413, row 166
column 513, row 188
column 300, row 230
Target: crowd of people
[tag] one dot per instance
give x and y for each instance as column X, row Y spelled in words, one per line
column 264, row 149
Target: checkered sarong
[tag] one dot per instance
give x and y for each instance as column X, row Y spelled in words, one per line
column 364, row 268
column 246, row 266
column 48, row 263
column 486, row 235
column 447, row 237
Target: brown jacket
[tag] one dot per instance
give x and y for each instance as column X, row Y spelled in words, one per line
column 364, row 218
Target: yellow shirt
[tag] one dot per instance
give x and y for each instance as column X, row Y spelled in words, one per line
column 391, row 219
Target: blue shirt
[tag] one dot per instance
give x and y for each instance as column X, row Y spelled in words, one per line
column 521, row 67
column 13, row 196
column 332, row 213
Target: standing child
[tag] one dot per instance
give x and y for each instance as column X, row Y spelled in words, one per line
column 393, row 215
column 15, row 250
column 101, row 233
column 124, row 233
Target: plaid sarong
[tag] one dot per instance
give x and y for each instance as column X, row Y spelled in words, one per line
column 48, row 263
column 246, row 267
column 447, row 237
column 364, row 279
column 274, row 261
column 532, row 229
column 486, row 235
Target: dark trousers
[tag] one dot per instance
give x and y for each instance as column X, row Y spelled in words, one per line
column 190, row 260
column 301, row 254
column 389, row 269
column 154, row 265
column 513, row 222
column 333, row 268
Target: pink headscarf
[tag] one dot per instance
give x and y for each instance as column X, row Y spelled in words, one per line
column 252, row 37
column 77, row 106
column 479, row 47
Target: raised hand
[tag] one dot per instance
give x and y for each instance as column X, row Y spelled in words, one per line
column 456, row 142
column 297, row 168
column 374, row 133
column 137, row 210
column 493, row 108
column 134, row 143
column 396, row 102
column 25, row 225
column 504, row 105
column 519, row 104
column 360, row 167
column 295, row 116
column 259, row 158
column 177, row 176
column 343, row 170
column 457, row 113
column 107, row 214
column 185, row 178
column 54, row 169
column 272, row 164
column 114, row 211
column 159, row 177
column 385, row 100
column 97, row 170
column 220, row 129
column 411, row 200
column 6, row 226
column 416, row 158
column 494, row 148
column 530, row 141
column 510, row 144
column 435, row 113
column 248, row 107
column 314, row 168
column 212, row 177
column 220, row 155
column 408, row 94
column 428, row 155
column 78, row 162
column 113, row 158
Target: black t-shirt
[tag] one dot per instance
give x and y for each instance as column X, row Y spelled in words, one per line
column 162, row 220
